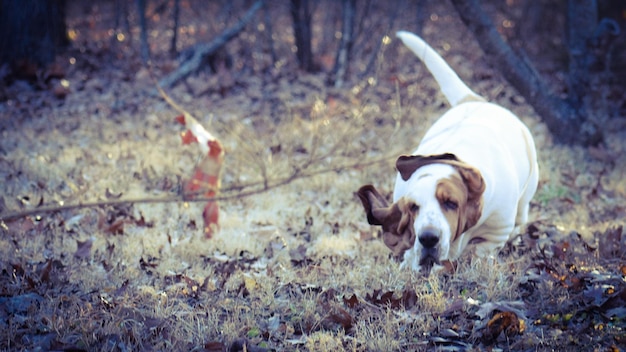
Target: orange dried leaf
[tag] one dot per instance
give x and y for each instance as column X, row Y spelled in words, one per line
column 210, row 215
column 507, row 322
column 188, row 137
column 205, row 180
column 351, row 302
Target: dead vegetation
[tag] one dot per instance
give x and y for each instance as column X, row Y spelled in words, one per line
column 295, row 268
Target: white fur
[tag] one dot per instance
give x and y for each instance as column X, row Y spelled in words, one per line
column 451, row 85
column 430, row 215
column 484, row 135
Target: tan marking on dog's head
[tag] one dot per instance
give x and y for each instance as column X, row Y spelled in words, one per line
column 465, row 189
column 395, row 219
column 457, row 205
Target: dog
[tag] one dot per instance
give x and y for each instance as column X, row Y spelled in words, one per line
column 467, row 187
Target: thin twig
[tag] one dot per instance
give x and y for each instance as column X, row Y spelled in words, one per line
column 265, row 186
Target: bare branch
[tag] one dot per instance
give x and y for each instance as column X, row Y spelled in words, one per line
column 206, row 49
column 234, row 192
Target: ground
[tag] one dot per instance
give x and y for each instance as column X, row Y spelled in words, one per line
column 295, row 266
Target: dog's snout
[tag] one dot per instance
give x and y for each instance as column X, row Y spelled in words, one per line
column 428, row 239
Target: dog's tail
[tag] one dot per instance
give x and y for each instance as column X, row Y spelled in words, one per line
column 451, row 85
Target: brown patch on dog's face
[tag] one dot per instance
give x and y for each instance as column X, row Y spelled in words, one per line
column 473, row 180
column 459, row 196
column 395, row 219
column 452, row 197
column 466, row 191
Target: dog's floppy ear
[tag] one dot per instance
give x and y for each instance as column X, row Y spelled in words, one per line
column 475, row 187
column 397, row 232
column 407, row 164
column 376, row 207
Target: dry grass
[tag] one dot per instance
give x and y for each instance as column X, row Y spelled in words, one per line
column 295, row 268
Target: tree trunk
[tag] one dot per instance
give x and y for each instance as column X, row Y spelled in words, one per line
column 568, row 124
column 145, row 47
column 33, row 31
column 582, row 17
column 301, row 15
column 343, row 54
column 175, row 17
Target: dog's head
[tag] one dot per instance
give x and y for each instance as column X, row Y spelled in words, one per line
column 443, row 199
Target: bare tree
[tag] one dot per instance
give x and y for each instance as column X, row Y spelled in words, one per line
column 33, row 31
column 269, row 29
column 343, row 54
column 145, row 48
column 301, row 16
column 569, row 119
column 175, row 17
column 202, row 51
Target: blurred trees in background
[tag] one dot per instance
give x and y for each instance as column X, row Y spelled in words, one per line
column 572, row 119
column 33, row 32
column 301, row 15
column 559, row 55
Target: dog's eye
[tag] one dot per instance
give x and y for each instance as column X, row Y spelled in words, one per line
column 450, row 205
column 415, row 208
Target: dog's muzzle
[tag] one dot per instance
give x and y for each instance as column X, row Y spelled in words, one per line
column 429, row 239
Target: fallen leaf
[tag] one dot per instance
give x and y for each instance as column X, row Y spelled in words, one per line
column 503, row 322
column 340, row 316
column 351, row 302
column 205, row 180
column 407, row 300
column 214, row 346
column 83, row 249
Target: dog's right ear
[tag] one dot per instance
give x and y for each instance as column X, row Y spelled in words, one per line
column 376, row 207
column 398, row 235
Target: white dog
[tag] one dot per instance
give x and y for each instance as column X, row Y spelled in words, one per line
column 468, row 184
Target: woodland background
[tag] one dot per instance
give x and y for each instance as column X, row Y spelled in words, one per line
column 311, row 99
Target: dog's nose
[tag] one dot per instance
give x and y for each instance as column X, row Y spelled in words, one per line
column 428, row 239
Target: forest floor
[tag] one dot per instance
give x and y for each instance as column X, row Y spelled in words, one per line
column 296, row 267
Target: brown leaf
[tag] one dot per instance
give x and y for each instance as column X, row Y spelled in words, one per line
column 561, row 250
column 506, row 322
column 352, row 301
column 116, row 228
column 45, row 272
column 387, row 299
column 449, row 267
column 342, row 317
column 151, row 263
column 409, row 299
column 214, row 346
column 83, row 249
column 21, row 226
